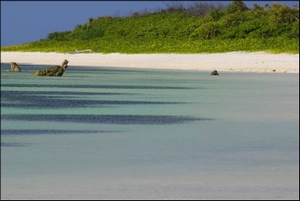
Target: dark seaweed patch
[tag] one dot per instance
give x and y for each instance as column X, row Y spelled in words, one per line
column 49, row 132
column 35, row 100
column 94, row 86
column 44, row 103
column 108, row 119
column 14, row 144
column 5, row 93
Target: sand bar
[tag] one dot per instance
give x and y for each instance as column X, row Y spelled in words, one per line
column 228, row 62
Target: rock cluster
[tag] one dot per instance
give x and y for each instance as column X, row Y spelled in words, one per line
column 53, row 71
column 214, row 73
column 15, row 67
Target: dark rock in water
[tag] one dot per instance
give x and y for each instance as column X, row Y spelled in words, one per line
column 14, row 67
column 214, row 73
column 53, row 71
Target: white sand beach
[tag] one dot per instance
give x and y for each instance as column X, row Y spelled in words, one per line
column 227, row 62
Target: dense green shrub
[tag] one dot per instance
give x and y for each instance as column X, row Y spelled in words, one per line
column 216, row 14
column 235, row 19
column 206, row 31
column 236, row 6
column 283, row 14
column 294, row 32
column 59, row 36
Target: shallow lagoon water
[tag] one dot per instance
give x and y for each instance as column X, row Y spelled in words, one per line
column 120, row 133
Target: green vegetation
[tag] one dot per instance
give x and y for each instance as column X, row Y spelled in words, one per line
column 198, row 28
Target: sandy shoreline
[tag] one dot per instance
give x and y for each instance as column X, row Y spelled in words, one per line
column 226, row 62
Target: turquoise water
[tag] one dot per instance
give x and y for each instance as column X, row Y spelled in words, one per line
column 120, row 133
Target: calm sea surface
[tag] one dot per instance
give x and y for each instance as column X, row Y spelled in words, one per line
column 112, row 133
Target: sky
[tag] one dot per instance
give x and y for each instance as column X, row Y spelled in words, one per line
column 29, row 21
